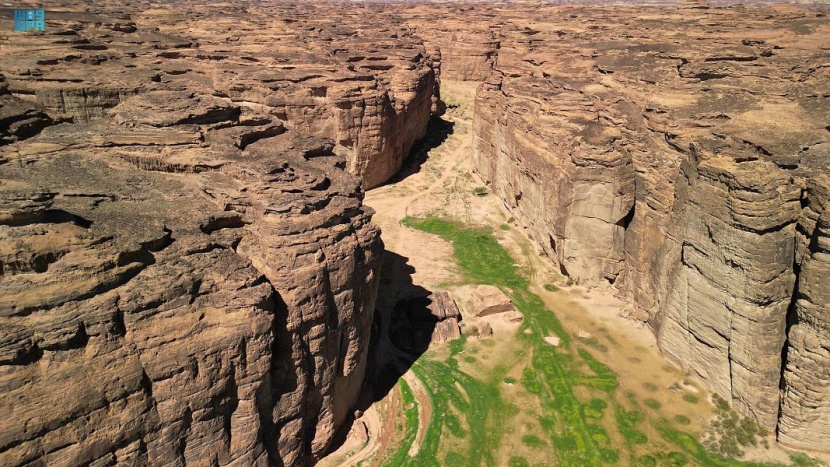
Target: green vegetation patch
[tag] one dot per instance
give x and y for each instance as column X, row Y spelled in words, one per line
column 551, row 288
column 573, row 389
column 691, row 398
column 730, row 433
column 532, row 441
column 410, row 424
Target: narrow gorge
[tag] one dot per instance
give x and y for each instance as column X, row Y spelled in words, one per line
column 235, row 234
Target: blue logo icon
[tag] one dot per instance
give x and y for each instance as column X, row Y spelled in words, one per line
column 27, row 20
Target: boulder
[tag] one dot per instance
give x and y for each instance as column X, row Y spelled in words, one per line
column 488, row 300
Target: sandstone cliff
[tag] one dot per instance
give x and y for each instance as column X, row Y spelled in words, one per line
column 688, row 169
column 348, row 77
column 187, row 272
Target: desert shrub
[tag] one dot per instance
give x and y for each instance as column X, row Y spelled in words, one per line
column 692, row 399
column 651, row 403
column 729, row 432
column 682, row 419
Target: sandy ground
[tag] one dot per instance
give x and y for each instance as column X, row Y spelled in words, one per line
column 444, row 186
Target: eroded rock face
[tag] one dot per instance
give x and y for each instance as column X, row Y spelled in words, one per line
column 186, row 277
column 686, row 168
column 340, row 74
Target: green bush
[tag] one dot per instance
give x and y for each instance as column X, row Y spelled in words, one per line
column 691, row 398
column 651, row 403
column 682, row 419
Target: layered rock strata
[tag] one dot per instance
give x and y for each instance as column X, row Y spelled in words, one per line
column 687, row 169
column 187, row 272
column 172, row 298
column 342, row 75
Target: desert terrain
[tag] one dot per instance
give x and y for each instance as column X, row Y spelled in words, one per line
column 415, row 233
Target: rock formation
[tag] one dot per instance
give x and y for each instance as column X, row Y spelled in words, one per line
column 490, row 300
column 341, row 75
column 418, row 321
column 687, row 168
column 188, row 275
column 187, row 272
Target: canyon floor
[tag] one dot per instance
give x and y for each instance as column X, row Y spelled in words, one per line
column 603, row 394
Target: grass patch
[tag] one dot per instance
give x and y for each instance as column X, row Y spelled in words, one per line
column 409, row 426
column 800, row 459
column 572, row 388
column 691, row 398
column 652, row 404
column 682, row 419
column 551, row 288
column 532, row 441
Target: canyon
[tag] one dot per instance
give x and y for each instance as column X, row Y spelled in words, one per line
column 190, row 272
column 688, row 171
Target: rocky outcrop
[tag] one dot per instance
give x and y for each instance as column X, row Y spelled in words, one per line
column 419, row 321
column 805, row 407
column 188, row 276
column 18, row 119
column 489, row 300
column 686, row 170
column 367, row 86
column 462, row 38
column 186, row 302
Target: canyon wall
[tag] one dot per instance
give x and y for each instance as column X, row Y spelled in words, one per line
column 688, row 170
column 187, row 272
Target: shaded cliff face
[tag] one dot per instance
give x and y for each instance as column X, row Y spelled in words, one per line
column 336, row 73
column 187, row 272
column 688, row 169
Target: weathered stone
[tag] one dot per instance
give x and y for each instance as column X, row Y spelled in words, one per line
column 489, row 300
column 683, row 168
column 485, row 330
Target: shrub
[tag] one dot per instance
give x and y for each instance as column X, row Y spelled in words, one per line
column 651, row 403
column 682, row 419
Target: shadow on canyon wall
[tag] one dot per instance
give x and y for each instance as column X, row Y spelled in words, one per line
column 438, row 130
column 403, row 324
column 401, row 333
